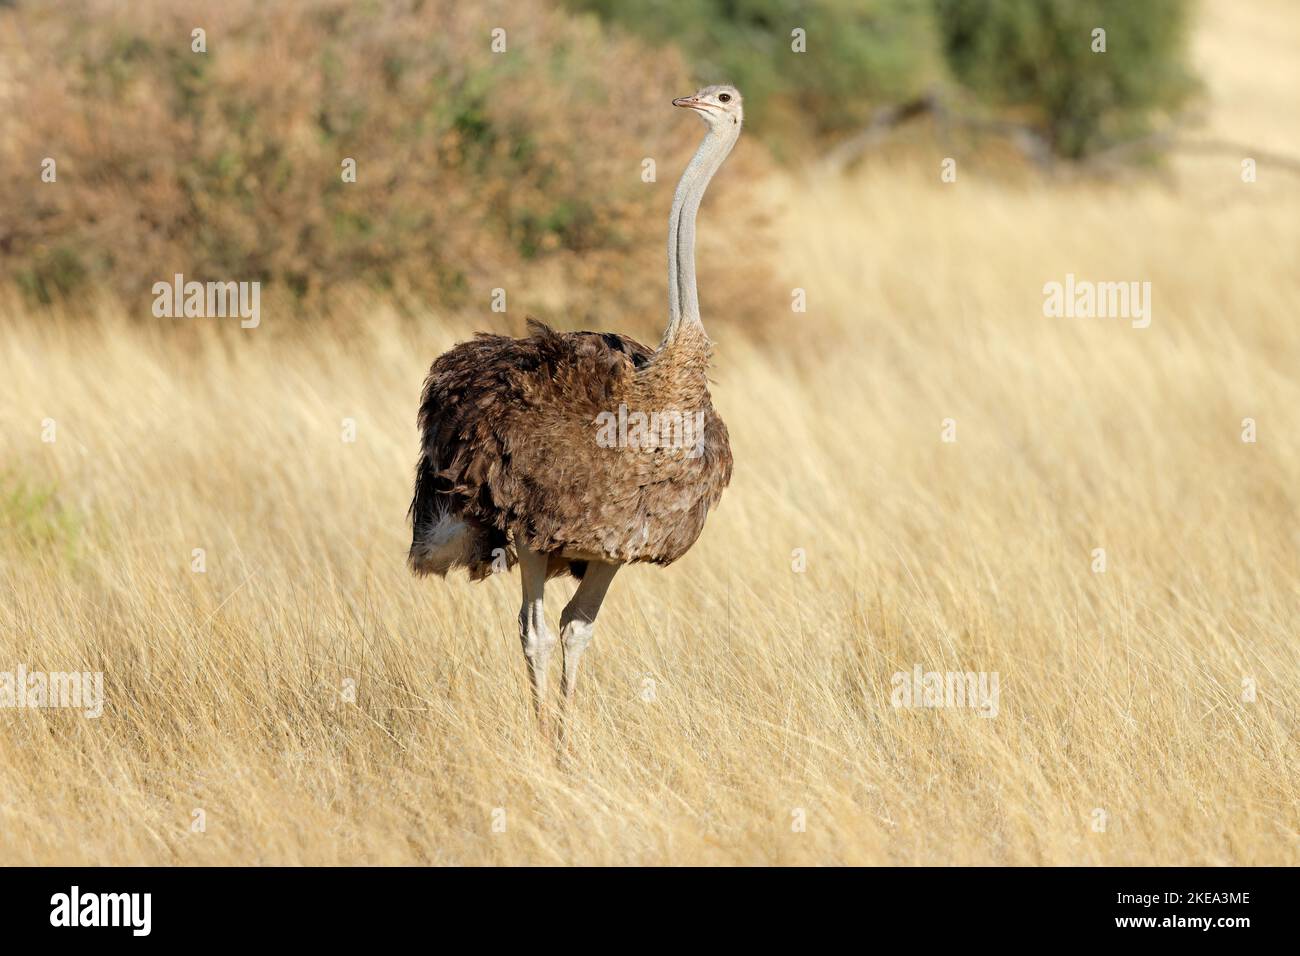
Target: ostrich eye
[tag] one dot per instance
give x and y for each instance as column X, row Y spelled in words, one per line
column 724, row 97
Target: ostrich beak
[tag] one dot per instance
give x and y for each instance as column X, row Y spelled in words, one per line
column 689, row 101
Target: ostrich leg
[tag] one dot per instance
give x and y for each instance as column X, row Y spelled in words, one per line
column 537, row 640
column 577, row 623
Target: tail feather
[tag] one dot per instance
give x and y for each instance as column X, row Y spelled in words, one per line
column 439, row 538
column 442, row 537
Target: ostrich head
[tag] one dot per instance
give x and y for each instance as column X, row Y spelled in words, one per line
column 717, row 105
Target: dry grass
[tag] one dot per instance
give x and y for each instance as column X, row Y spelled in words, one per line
column 1120, row 691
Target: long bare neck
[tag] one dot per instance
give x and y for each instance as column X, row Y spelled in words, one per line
column 683, row 297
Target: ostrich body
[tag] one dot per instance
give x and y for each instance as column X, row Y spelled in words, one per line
column 511, row 469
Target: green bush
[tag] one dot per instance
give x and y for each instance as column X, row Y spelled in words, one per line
column 859, row 53
column 1032, row 57
column 1037, row 55
column 34, row 518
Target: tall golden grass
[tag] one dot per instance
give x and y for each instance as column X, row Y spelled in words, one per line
column 727, row 693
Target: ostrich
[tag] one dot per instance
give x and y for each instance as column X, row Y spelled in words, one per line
column 512, row 467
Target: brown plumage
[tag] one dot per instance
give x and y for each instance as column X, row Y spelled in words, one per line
column 510, row 444
column 577, row 451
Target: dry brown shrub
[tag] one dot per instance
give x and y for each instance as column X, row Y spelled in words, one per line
column 476, row 170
